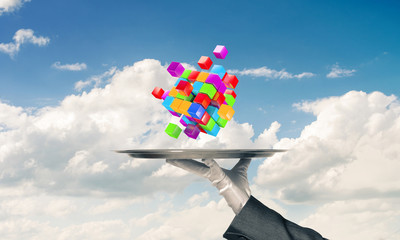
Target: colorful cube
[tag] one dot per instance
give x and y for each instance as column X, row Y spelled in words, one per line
column 175, row 104
column 202, row 77
column 175, row 69
column 218, row 100
column 222, row 122
column 230, row 81
column 188, row 120
column 184, row 107
column 230, row 92
column 158, row 92
column 226, row 112
column 196, row 87
column 214, row 131
column 204, row 119
column 208, row 89
column 165, row 95
column 186, row 74
column 167, row 103
column 229, row 99
column 193, row 76
column 192, row 131
column 220, row 51
column 173, row 130
column 213, row 112
column 184, row 88
column 214, row 79
column 186, row 98
column 222, row 88
column 205, row 62
column 202, row 99
column 218, row 69
column 173, row 92
column 196, row 111
column 209, row 126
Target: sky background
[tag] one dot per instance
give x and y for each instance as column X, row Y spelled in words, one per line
column 320, row 78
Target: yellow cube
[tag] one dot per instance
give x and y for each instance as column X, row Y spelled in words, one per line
column 202, row 77
column 226, row 112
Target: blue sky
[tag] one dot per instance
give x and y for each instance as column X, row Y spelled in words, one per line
column 308, row 65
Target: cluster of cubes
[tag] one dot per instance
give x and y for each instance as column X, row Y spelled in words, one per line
column 203, row 100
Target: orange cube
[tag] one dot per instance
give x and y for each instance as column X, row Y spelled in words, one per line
column 176, row 104
column 202, row 77
column 183, row 107
column 226, row 112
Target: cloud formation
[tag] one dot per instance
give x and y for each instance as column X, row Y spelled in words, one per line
column 339, row 72
column 11, row 5
column 270, row 73
column 21, row 37
column 69, row 67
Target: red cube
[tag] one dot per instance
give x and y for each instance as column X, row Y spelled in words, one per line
column 205, row 62
column 218, row 100
column 184, row 88
column 201, row 129
column 202, row 99
column 231, row 92
column 193, row 75
column 204, row 120
column 158, row 92
column 230, row 80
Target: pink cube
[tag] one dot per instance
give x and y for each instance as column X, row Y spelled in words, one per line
column 220, row 51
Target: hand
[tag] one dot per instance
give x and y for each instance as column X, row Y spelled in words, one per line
column 232, row 184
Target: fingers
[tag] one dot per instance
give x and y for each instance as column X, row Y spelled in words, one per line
column 242, row 166
column 190, row 165
column 215, row 174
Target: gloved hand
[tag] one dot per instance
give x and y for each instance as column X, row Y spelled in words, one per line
column 232, row 184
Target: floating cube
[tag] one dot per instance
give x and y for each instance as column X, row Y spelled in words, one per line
column 173, row 130
column 222, row 122
column 186, row 98
column 202, row 99
column 204, row 119
column 193, row 76
column 175, row 69
column 209, row 126
column 186, row 74
column 231, row 92
column 175, row 104
column 184, row 88
column 158, row 92
column 173, row 92
column 220, row 51
column 184, row 107
column 213, row 112
column 214, row 79
column 229, row 99
column 181, row 121
column 208, row 89
column 205, row 62
column 230, row 80
column 222, row 88
column 188, row 120
column 192, row 131
column 196, row 87
column 218, row 69
column 196, row 111
column 214, row 131
column 167, row 103
column 202, row 77
column 179, row 80
column 218, row 100
column 226, row 112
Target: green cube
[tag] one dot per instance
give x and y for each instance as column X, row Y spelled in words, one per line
column 209, row 126
column 186, row 74
column 186, row 98
column 222, row 122
column 173, row 130
column 229, row 99
column 208, row 89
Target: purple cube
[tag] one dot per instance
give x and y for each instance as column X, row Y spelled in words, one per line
column 175, row 69
column 221, row 88
column 215, row 80
column 220, row 52
column 175, row 113
column 166, row 93
column 192, row 131
column 190, row 119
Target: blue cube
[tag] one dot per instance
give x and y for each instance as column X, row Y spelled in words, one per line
column 214, row 131
column 196, row 87
column 213, row 112
column 196, row 111
column 167, row 103
column 218, row 69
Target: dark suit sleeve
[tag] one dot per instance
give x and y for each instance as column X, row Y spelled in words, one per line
column 258, row 222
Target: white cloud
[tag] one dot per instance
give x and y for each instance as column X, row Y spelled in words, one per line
column 11, row 5
column 270, row 73
column 97, row 80
column 338, row 72
column 70, row 67
column 21, row 37
column 348, row 155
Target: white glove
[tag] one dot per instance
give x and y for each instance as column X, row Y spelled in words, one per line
column 232, row 184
